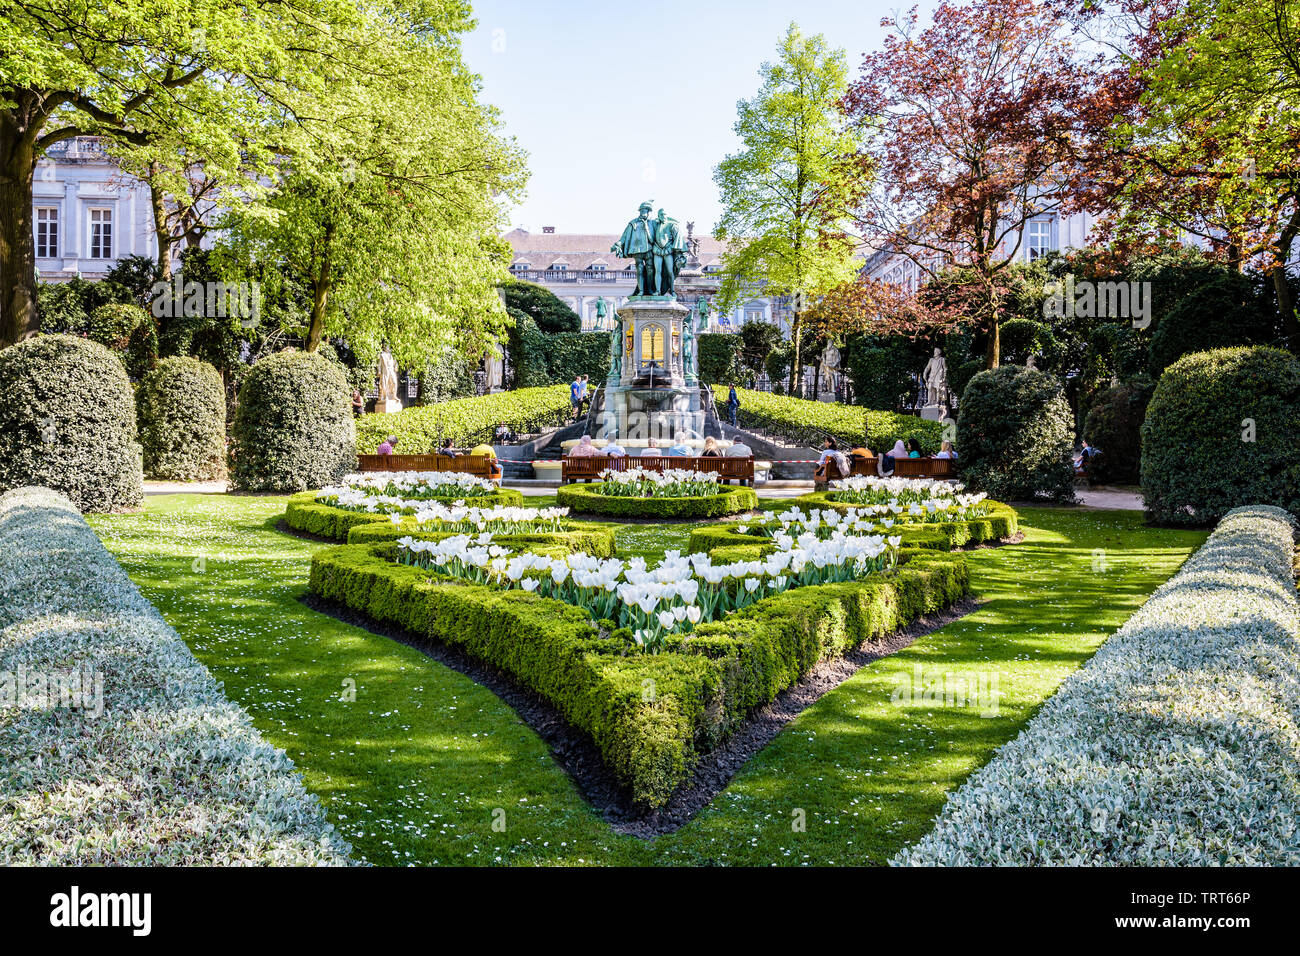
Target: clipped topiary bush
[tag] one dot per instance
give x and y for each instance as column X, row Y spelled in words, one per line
column 1015, row 435
column 182, row 414
column 1220, row 432
column 293, row 429
column 68, row 423
column 1114, row 427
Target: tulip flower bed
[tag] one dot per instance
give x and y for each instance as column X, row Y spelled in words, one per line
column 651, row 603
column 649, row 714
column 375, row 497
column 923, row 527
column 717, row 501
column 417, row 485
column 942, row 523
column 669, row 483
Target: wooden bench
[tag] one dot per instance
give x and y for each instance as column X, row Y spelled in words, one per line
column 943, row 468
column 481, row 466
column 589, row 467
column 925, row 468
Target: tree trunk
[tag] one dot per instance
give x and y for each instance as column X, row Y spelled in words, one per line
column 796, row 357
column 320, row 294
column 158, row 204
column 993, row 354
column 1285, row 300
column 1286, row 307
column 18, row 319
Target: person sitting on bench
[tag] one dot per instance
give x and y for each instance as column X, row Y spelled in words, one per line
column 386, row 446
column 887, row 460
column 831, row 464
column 487, row 451
column 584, row 448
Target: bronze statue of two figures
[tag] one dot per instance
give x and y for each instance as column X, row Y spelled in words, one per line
column 658, row 249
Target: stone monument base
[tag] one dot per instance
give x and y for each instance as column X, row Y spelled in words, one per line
column 933, row 413
column 391, row 405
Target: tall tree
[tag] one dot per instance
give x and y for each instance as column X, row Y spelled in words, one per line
column 784, row 194
column 1207, row 148
column 215, row 69
column 975, row 125
column 391, row 218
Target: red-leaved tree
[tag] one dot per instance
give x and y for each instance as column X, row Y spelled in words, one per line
column 980, row 122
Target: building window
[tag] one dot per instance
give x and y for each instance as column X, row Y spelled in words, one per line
column 47, row 233
column 597, row 267
column 1039, row 237
column 753, row 316
column 101, row 233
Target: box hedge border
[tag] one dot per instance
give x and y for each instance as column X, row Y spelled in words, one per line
column 1000, row 523
column 649, row 715
column 304, row 513
column 728, row 501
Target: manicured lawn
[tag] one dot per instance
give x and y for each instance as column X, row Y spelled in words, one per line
column 418, row 768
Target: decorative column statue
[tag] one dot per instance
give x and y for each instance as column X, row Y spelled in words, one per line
column 388, row 383
column 635, row 243
column 935, row 377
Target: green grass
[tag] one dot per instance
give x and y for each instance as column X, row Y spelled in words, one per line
column 419, row 767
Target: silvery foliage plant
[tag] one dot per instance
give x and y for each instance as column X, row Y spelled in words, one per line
column 169, row 771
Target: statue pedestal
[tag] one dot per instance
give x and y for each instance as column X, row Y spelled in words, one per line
column 932, row 413
column 391, row 405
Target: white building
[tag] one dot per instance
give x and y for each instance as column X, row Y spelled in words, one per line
column 87, row 214
column 1043, row 234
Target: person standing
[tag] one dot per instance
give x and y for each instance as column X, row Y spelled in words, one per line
column 358, row 403
column 585, row 398
column 575, row 396
column 733, row 405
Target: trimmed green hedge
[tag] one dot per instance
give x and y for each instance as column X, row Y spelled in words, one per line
column 649, row 715
column 728, row 501
column 304, row 513
column 293, row 428
column 1221, row 432
column 1015, row 432
column 181, row 406
column 724, row 543
column 466, row 421
column 67, row 422
column 849, row 424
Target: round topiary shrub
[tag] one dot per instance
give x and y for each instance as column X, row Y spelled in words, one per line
column 68, row 422
column 293, row 429
column 182, row 415
column 1220, row 432
column 1015, row 435
column 1114, row 427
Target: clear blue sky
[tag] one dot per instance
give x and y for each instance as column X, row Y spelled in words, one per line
column 583, row 86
